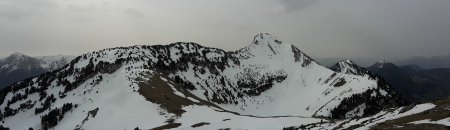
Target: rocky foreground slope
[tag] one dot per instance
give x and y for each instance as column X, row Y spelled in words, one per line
column 266, row 85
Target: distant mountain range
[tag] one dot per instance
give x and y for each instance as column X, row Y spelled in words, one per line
column 427, row 62
column 418, row 79
column 419, row 61
column 18, row 66
column 413, row 82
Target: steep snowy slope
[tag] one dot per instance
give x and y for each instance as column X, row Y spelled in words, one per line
column 167, row 85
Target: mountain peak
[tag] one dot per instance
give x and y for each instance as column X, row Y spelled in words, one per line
column 269, row 45
column 17, row 57
column 382, row 61
column 382, row 64
column 265, row 38
column 348, row 61
column 17, row 54
column 348, row 67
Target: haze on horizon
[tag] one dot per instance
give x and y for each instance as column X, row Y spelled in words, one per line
column 371, row 29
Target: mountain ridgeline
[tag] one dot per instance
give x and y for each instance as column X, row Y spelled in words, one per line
column 268, row 78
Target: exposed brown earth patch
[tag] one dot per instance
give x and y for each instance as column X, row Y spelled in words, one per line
column 423, row 127
column 170, row 125
column 158, row 91
column 200, row 124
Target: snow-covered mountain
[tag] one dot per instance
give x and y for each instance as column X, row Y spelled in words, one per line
column 51, row 63
column 18, row 66
column 186, row 85
column 349, row 67
column 19, row 61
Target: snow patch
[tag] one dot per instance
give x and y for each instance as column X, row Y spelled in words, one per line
column 445, row 121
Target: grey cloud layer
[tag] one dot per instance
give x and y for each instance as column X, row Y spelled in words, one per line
column 295, row 5
column 376, row 29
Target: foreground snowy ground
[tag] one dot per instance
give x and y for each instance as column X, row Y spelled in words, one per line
column 220, row 120
column 434, row 115
column 445, row 121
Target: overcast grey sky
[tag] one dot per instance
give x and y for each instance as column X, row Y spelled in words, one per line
column 377, row 29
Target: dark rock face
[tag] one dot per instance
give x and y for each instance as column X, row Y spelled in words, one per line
column 255, row 88
column 298, row 56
